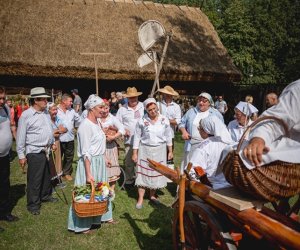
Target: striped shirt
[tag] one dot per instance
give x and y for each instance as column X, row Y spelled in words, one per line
column 34, row 132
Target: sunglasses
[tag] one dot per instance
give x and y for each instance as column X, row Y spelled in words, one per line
column 3, row 98
column 41, row 99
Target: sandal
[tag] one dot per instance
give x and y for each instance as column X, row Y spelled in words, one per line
column 112, row 222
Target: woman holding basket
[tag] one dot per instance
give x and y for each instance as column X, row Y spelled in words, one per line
column 91, row 166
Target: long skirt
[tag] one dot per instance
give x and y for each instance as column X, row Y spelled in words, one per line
column 147, row 177
column 98, row 170
column 113, row 171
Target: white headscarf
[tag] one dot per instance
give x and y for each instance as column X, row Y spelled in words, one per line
column 208, row 97
column 214, row 126
column 246, row 108
column 92, row 101
column 50, row 105
column 148, row 101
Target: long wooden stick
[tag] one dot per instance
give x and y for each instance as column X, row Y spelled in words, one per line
column 265, row 226
column 181, row 208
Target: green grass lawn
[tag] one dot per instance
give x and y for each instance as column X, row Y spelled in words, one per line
column 148, row 228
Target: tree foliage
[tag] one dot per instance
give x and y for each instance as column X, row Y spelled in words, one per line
column 262, row 36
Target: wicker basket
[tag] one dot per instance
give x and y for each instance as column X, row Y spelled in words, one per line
column 273, row 181
column 91, row 208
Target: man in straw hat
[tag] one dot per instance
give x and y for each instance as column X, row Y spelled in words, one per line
column 169, row 108
column 34, row 141
column 129, row 115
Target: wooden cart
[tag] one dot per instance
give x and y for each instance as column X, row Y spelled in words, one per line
column 204, row 221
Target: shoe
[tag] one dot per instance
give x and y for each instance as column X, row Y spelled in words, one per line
column 68, row 177
column 129, row 182
column 112, row 222
column 35, row 212
column 9, row 218
column 155, row 202
column 51, row 199
column 61, row 185
column 139, row 206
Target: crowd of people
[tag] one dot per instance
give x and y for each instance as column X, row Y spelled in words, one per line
column 147, row 130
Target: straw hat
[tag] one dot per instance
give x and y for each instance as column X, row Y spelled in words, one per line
column 168, row 90
column 132, row 92
column 38, row 92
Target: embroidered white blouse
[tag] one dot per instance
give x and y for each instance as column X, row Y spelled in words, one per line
column 152, row 134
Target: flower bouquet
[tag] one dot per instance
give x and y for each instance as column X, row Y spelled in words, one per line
column 90, row 201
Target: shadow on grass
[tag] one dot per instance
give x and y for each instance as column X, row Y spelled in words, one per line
column 172, row 188
column 12, row 155
column 16, row 192
column 159, row 219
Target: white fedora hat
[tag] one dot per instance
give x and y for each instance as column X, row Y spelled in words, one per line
column 38, row 92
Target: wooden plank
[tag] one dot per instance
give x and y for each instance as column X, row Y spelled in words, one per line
column 231, row 197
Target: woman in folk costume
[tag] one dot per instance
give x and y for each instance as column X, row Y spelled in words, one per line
column 152, row 135
column 91, row 166
column 59, row 128
column 190, row 122
column 113, row 129
column 205, row 158
column 243, row 111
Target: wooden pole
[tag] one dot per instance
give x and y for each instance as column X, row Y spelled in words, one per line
column 181, row 209
column 96, row 73
column 156, row 81
column 270, row 229
column 95, row 65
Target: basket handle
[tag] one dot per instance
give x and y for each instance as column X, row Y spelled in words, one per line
column 92, row 198
column 260, row 119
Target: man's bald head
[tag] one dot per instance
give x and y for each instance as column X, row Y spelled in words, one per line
column 271, row 99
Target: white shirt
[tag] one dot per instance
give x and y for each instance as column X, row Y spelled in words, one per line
column 34, row 132
column 283, row 149
column 68, row 118
column 196, row 137
column 207, row 156
column 5, row 131
column 152, row 134
column 236, row 130
column 91, row 140
column 171, row 111
column 129, row 117
column 112, row 121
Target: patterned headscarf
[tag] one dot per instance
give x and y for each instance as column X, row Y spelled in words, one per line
column 92, row 101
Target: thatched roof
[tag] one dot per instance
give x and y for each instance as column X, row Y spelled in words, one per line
column 46, row 37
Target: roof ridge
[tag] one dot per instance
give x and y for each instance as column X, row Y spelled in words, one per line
column 159, row 5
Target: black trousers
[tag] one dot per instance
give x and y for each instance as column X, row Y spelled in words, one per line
column 4, row 185
column 67, row 153
column 38, row 180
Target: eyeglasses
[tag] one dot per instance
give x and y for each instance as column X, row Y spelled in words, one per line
column 3, row 98
column 202, row 100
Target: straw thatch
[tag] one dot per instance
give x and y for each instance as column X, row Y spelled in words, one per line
column 46, row 37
